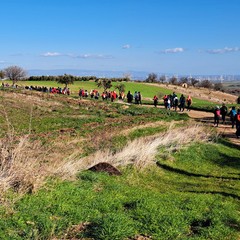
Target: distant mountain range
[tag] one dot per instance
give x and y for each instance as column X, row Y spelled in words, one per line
column 134, row 75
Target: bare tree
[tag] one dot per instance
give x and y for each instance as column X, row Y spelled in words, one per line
column 183, row 80
column 173, row 80
column 162, row 79
column 194, row 81
column 15, row 74
column 152, row 78
column 218, row 86
column 206, row 84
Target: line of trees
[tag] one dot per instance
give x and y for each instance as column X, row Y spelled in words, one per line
column 16, row 73
column 189, row 81
column 76, row 78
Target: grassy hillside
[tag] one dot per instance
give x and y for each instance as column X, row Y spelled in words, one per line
column 147, row 90
column 179, row 180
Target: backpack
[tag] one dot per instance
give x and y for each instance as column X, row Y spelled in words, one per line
column 223, row 110
column 233, row 113
column 218, row 112
column 238, row 117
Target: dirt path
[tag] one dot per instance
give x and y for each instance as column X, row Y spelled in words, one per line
column 225, row 130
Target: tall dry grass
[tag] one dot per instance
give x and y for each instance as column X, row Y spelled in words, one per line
column 140, row 152
column 22, row 160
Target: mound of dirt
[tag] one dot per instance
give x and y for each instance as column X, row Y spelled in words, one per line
column 105, row 167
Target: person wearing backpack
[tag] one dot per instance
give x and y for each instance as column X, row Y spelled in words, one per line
column 223, row 111
column 155, row 101
column 182, row 101
column 238, row 123
column 216, row 116
column 232, row 115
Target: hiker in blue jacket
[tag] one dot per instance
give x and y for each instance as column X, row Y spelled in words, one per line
column 232, row 115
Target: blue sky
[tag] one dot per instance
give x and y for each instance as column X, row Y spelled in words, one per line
column 162, row 36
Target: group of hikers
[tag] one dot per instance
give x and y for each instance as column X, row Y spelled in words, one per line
column 172, row 101
column 94, row 94
column 54, row 90
column 222, row 112
column 112, row 95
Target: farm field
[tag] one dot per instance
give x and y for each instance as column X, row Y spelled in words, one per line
column 177, row 178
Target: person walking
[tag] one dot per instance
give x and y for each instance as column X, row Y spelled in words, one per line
column 232, row 115
column 238, row 123
column 189, row 102
column 175, row 103
column 155, row 101
column 223, row 112
column 129, row 97
column 216, row 116
column 182, row 101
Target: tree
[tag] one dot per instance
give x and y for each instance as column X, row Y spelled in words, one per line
column 205, row 84
column 162, row 79
column 15, row 74
column 105, row 83
column 152, row 78
column 194, row 81
column 2, row 75
column 183, row 80
column 218, row 86
column 173, row 80
column 121, row 87
column 65, row 79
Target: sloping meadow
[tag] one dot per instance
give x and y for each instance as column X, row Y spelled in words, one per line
column 178, row 179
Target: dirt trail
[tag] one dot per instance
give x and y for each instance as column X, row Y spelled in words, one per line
column 225, row 130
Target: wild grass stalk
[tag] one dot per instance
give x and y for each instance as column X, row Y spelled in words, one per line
column 20, row 159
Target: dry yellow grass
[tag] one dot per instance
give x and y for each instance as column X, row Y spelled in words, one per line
column 205, row 94
column 140, row 152
column 25, row 164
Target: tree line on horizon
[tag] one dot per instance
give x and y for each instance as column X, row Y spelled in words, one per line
column 16, row 73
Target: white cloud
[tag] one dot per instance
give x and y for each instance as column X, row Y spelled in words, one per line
column 172, row 50
column 126, row 46
column 51, row 54
column 94, row 56
column 223, row 50
column 85, row 56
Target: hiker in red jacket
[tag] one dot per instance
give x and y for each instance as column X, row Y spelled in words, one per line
column 155, row 100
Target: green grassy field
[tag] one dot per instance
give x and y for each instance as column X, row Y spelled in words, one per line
column 189, row 190
column 147, row 91
column 156, row 202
